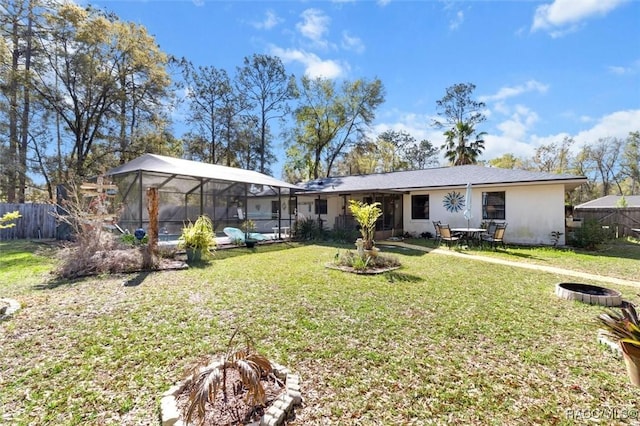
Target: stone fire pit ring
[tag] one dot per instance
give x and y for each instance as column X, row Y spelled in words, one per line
column 589, row 293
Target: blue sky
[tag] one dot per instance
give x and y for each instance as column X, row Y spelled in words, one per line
column 546, row 69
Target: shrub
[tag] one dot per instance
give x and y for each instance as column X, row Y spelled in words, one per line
column 353, row 260
column 9, row 217
column 306, row 229
column 343, row 235
column 589, row 235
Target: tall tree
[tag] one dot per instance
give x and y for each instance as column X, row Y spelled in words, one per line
column 268, row 89
column 143, row 84
column 392, row 145
column 507, row 161
column 16, row 51
column 459, row 115
column 363, row 158
column 328, row 118
column 605, row 155
column 208, row 89
column 80, row 83
column 554, row 157
column 630, row 167
column 422, row 155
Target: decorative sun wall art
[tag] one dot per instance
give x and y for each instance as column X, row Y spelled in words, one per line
column 453, row 201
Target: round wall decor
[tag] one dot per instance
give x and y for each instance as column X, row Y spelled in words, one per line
column 453, row 201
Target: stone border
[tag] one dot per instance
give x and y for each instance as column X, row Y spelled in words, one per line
column 11, row 309
column 276, row 414
column 611, row 297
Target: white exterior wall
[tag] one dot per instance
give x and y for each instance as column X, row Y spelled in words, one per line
column 307, row 210
column 532, row 212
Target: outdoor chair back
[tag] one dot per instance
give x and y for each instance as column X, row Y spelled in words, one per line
column 497, row 237
column 447, row 236
column 436, row 226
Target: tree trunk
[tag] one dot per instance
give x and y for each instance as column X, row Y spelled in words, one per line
column 24, row 142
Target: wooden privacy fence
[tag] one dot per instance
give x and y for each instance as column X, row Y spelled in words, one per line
column 621, row 220
column 36, row 221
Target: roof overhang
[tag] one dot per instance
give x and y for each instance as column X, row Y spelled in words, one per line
column 177, row 167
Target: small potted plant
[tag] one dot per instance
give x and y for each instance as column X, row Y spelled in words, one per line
column 366, row 215
column 197, row 238
column 624, row 328
column 249, row 227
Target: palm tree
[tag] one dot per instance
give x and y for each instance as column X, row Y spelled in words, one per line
column 459, row 150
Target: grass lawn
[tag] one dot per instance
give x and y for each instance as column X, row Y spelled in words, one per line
column 615, row 259
column 442, row 340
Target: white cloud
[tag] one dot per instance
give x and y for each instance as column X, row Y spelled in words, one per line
column 353, row 44
column 271, row 19
column 314, row 65
column 514, row 135
column 510, row 92
column 566, row 15
column 314, row 25
column 615, row 125
column 383, row 2
column 625, row 70
column 455, row 23
column 519, row 123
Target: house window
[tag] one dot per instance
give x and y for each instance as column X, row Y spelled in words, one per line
column 493, row 205
column 274, row 209
column 321, row 206
column 419, row 207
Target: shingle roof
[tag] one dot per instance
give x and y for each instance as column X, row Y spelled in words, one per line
column 611, row 201
column 437, row 178
column 176, row 166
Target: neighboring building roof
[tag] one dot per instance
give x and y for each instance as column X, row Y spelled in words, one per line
column 179, row 167
column 440, row 177
column 611, row 202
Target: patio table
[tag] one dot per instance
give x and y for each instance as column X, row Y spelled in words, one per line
column 470, row 234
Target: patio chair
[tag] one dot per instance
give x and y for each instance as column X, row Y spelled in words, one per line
column 497, row 237
column 238, row 235
column 447, row 236
column 490, row 228
column 436, row 226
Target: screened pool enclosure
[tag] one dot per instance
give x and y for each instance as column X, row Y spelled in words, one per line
column 187, row 189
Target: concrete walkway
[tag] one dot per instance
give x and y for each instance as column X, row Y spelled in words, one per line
column 550, row 269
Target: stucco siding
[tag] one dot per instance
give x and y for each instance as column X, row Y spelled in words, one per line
column 532, row 212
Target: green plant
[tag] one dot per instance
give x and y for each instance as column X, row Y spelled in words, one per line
column 306, row 229
column 555, row 237
column 130, row 239
column 198, row 235
column 353, row 260
column 366, row 215
column 623, row 326
column 9, row 217
column 209, row 378
column 589, row 235
column 248, row 226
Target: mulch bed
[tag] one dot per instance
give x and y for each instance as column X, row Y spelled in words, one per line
column 234, row 411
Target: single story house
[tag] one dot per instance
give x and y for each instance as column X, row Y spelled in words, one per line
column 531, row 203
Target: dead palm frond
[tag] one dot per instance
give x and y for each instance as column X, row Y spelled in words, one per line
column 208, row 379
column 622, row 325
